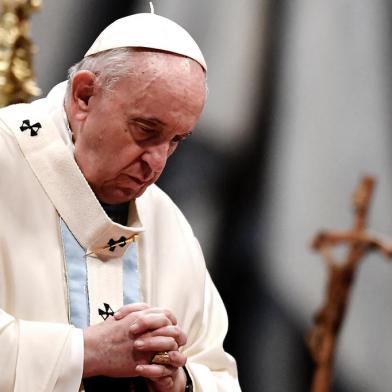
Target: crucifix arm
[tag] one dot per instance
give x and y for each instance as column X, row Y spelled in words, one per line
column 367, row 239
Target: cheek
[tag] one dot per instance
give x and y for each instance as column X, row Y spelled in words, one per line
column 95, row 159
column 125, row 154
column 102, row 153
column 98, row 146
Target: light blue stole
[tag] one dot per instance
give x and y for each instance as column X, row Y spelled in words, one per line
column 76, row 270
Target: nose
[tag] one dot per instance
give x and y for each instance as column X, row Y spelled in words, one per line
column 155, row 157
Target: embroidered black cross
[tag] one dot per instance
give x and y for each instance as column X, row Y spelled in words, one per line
column 32, row 128
column 112, row 243
column 107, row 312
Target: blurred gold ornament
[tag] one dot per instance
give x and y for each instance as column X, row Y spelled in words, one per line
column 17, row 82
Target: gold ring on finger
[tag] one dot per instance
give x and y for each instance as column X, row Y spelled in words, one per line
column 161, row 358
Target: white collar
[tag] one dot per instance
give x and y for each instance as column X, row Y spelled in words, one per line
column 56, row 110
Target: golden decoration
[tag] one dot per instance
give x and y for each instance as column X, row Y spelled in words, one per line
column 161, row 358
column 17, row 81
column 122, row 243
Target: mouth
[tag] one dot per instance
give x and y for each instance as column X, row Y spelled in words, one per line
column 129, row 182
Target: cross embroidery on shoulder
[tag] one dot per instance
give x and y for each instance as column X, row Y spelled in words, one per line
column 120, row 242
column 111, row 245
column 107, row 312
column 32, row 128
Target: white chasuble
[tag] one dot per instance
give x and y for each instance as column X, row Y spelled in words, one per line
column 41, row 186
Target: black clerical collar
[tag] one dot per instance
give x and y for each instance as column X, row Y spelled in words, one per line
column 117, row 212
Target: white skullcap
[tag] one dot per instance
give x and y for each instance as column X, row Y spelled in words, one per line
column 148, row 30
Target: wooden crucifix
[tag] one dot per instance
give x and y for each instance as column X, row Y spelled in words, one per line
column 321, row 339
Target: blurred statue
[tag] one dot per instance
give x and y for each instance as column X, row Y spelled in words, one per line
column 17, row 82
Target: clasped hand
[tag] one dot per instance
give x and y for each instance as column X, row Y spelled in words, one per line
column 124, row 345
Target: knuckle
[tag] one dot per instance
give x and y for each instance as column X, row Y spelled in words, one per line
column 179, row 359
column 142, row 321
column 166, row 312
column 169, row 315
column 173, row 345
column 179, row 336
column 176, row 333
column 167, row 322
column 184, row 339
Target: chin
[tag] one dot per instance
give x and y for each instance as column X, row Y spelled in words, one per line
column 119, row 196
column 138, row 194
column 115, row 197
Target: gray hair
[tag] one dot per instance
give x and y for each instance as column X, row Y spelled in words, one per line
column 108, row 66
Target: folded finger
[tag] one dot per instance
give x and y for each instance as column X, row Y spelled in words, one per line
column 173, row 331
column 130, row 308
column 155, row 371
column 156, row 343
column 148, row 322
column 177, row 359
column 164, row 311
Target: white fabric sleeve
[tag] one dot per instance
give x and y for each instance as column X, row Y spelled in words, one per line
column 209, row 366
column 70, row 378
column 39, row 356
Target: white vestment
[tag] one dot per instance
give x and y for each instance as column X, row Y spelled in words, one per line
column 41, row 182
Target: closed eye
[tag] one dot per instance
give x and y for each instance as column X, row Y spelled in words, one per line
column 142, row 132
column 146, row 130
column 179, row 138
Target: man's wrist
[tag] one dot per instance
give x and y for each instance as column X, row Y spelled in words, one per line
column 89, row 362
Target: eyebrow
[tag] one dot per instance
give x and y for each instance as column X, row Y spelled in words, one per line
column 150, row 121
column 185, row 135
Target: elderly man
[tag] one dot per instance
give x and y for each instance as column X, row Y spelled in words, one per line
column 102, row 283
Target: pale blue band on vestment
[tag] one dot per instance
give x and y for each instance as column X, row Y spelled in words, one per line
column 130, row 275
column 76, row 267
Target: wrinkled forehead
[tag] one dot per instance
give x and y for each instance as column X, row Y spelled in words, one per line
column 160, row 61
column 164, row 76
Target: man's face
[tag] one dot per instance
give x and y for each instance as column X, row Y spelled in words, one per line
column 124, row 137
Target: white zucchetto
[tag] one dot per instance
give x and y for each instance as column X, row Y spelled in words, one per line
column 148, row 30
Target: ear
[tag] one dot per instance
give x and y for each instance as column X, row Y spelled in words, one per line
column 83, row 88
